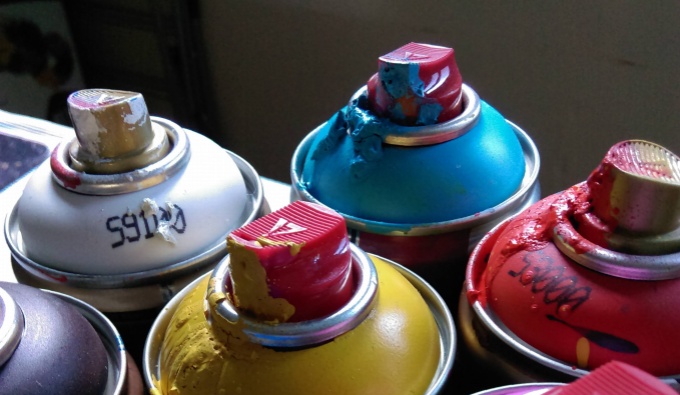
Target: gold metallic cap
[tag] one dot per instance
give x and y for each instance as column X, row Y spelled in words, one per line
column 114, row 132
column 645, row 187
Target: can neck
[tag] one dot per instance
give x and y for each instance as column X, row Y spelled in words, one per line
column 11, row 326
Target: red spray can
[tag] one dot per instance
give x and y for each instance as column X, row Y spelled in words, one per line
column 583, row 277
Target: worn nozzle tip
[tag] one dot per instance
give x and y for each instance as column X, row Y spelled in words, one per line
column 417, row 84
column 637, row 188
column 114, row 132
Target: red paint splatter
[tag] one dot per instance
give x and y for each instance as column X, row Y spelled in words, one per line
column 68, row 177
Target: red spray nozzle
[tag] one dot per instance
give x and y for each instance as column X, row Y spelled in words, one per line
column 304, row 251
column 615, row 378
column 417, row 84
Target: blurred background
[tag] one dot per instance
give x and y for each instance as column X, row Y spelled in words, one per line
column 257, row 76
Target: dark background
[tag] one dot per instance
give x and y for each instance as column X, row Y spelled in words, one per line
column 257, row 76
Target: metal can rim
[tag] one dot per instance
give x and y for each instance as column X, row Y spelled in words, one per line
column 614, row 263
column 412, row 136
column 305, row 333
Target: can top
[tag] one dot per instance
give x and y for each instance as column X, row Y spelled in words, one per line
column 417, row 84
column 51, row 326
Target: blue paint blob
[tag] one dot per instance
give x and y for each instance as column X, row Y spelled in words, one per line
column 362, row 177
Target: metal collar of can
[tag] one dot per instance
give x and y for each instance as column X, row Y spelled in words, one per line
column 112, row 184
column 411, row 136
column 304, row 333
column 614, row 263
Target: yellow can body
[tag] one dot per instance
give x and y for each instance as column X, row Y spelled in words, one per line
column 395, row 350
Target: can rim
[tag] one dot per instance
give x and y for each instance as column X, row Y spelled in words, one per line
column 255, row 205
column 305, row 333
column 436, row 304
column 110, row 337
column 519, row 198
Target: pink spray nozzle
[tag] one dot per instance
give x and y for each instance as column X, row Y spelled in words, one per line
column 304, row 251
column 417, row 84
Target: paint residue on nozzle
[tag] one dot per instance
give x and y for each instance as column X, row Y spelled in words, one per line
column 417, row 84
column 293, row 264
column 636, row 188
column 249, row 282
column 615, row 378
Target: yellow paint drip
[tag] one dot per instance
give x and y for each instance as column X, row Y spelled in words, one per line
column 294, row 247
column 582, row 352
column 395, row 350
column 250, row 289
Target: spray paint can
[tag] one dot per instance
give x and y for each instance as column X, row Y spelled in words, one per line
column 56, row 343
column 583, row 277
column 251, row 331
column 130, row 210
column 418, row 165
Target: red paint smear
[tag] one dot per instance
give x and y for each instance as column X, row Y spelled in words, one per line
column 600, row 182
column 56, row 277
column 531, row 230
column 67, row 176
